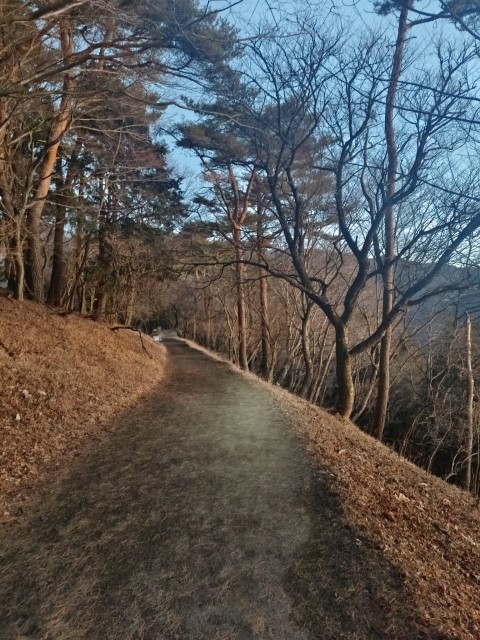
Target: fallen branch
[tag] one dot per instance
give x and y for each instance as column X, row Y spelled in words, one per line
column 135, row 331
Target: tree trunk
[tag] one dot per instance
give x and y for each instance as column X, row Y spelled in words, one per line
column 321, row 386
column 207, row 308
column 19, row 263
column 346, row 389
column 101, row 305
column 33, row 257
column 307, row 356
column 16, row 266
column 102, row 260
column 383, row 388
column 34, row 271
column 102, row 294
column 131, row 299
column 83, row 300
column 383, row 393
column 55, row 290
column 368, row 394
column 265, row 365
column 470, row 397
column 241, row 314
column 63, row 192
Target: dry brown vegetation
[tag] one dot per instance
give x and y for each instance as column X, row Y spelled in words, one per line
column 66, row 377
column 62, row 380
column 427, row 528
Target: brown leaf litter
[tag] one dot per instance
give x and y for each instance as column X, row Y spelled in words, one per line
column 428, row 529
column 63, row 378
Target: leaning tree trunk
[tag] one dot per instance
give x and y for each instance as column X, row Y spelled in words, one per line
column 383, row 393
column 470, row 398
column 34, row 270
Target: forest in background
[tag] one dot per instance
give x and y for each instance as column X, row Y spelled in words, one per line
column 332, row 242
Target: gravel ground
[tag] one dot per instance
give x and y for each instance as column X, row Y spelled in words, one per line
column 198, row 516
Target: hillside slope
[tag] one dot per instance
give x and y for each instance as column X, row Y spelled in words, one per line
column 63, row 378
column 428, row 529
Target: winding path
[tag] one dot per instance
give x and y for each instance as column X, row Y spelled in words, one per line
column 196, row 518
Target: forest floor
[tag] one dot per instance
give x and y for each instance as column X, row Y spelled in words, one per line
column 62, row 380
column 198, row 513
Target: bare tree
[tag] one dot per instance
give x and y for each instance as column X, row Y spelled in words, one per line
column 309, row 102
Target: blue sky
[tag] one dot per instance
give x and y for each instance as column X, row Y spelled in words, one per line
column 247, row 14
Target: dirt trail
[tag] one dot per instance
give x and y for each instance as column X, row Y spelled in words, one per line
column 199, row 517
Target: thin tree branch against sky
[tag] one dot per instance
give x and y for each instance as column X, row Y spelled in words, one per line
column 250, row 17
column 319, row 95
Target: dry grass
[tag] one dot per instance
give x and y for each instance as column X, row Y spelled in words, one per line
column 199, row 516
column 425, row 527
column 66, row 378
column 63, row 378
